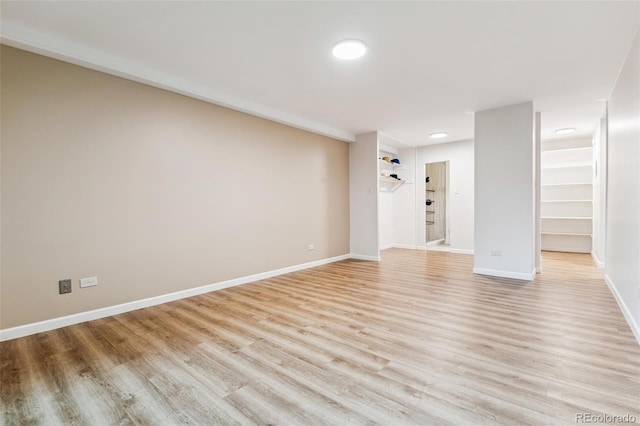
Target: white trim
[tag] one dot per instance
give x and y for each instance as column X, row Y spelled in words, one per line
column 364, row 257
column 461, row 251
column 441, row 249
column 539, row 270
column 406, row 246
column 564, row 249
column 633, row 325
column 417, row 247
column 39, row 327
column 505, row 274
column 597, row 261
column 54, row 47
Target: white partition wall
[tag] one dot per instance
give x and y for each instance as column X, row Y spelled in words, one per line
column 600, row 193
column 622, row 266
column 537, row 190
column 504, row 242
column 363, row 197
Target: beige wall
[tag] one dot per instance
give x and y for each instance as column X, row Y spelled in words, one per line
column 151, row 191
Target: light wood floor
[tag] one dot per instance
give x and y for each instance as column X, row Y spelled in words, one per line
column 416, row 339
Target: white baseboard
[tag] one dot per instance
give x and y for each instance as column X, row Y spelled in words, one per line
column 364, row 257
column 424, row 247
column 597, row 261
column 435, row 243
column 564, row 249
column 505, row 274
column 623, row 307
column 461, row 251
column 406, row 246
column 39, row 327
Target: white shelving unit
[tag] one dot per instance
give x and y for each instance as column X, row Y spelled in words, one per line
column 566, row 198
column 387, row 183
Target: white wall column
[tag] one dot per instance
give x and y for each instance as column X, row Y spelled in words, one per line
column 600, row 192
column 363, row 197
column 504, row 243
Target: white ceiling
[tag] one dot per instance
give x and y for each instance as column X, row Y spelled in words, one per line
column 428, row 67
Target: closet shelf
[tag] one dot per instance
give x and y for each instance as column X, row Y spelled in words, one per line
column 566, row 217
column 567, row 149
column 389, row 184
column 569, row 234
column 566, row 201
column 567, row 184
column 392, row 166
column 567, row 166
column 390, row 179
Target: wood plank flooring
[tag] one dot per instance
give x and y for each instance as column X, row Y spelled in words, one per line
column 416, row 339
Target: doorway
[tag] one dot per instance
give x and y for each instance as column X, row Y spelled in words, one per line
column 435, row 203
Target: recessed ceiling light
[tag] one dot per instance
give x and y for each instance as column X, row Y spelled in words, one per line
column 349, row 49
column 438, row 135
column 565, row 131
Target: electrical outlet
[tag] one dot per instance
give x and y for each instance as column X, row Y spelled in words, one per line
column 496, row 252
column 88, row 282
column 311, row 247
column 64, row 286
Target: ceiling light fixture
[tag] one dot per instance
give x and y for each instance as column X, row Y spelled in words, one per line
column 349, row 49
column 565, row 131
column 438, row 135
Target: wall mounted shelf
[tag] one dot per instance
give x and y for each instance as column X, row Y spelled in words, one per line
column 390, row 166
column 566, row 184
column 566, row 166
column 574, row 234
column 389, row 184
